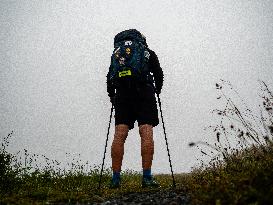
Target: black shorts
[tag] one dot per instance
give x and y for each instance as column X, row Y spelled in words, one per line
column 136, row 104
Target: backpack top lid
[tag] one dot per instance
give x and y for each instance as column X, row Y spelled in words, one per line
column 130, row 34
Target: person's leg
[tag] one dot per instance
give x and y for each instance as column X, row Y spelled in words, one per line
column 147, row 145
column 117, row 151
column 147, row 152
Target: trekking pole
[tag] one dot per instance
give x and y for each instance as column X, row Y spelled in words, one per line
column 112, row 108
column 159, row 103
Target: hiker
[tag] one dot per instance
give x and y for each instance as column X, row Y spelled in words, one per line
column 134, row 77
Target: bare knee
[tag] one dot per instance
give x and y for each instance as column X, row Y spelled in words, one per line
column 146, row 132
column 121, row 133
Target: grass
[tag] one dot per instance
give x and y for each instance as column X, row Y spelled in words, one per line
column 243, row 178
column 23, row 182
column 239, row 171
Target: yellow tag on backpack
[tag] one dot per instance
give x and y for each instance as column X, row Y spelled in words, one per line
column 124, row 73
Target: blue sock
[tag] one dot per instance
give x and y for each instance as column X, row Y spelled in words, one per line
column 116, row 177
column 147, row 173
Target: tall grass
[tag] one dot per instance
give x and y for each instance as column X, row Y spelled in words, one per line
column 25, row 180
column 240, row 170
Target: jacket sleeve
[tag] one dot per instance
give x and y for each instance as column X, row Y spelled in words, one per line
column 110, row 86
column 156, row 70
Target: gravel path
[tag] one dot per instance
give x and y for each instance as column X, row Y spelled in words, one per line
column 150, row 198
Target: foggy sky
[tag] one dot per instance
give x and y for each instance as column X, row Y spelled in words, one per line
column 54, row 57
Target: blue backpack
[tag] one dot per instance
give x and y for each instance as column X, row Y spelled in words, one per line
column 130, row 56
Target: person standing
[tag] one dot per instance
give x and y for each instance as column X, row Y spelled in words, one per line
column 134, row 77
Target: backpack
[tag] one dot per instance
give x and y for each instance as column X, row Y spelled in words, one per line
column 130, row 57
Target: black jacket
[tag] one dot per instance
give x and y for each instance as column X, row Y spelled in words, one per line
column 155, row 69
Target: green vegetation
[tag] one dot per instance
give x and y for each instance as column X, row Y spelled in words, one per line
column 239, row 171
column 27, row 183
column 243, row 178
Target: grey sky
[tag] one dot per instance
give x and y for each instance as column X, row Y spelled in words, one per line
column 54, row 56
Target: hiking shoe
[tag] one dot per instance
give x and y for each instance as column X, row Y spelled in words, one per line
column 150, row 183
column 114, row 184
